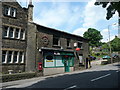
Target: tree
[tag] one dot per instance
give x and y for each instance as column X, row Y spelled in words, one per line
column 112, row 7
column 94, row 36
column 115, row 44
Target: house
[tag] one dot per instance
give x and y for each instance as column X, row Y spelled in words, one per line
column 30, row 47
column 13, row 39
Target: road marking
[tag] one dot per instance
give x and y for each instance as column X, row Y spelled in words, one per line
column 100, row 77
column 70, row 87
column 117, row 71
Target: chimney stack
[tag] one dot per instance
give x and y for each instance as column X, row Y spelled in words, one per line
column 30, row 11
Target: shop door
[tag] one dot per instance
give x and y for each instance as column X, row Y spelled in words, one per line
column 66, row 64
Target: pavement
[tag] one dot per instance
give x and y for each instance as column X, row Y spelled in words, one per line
column 19, row 83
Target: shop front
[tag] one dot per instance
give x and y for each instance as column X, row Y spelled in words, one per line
column 57, row 61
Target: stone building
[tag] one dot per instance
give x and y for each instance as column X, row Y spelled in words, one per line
column 30, row 47
column 13, row 36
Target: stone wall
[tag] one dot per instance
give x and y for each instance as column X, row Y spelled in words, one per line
column 20, row 21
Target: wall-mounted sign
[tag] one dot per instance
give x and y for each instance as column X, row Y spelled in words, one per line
column 49, row 60
column 75, row 44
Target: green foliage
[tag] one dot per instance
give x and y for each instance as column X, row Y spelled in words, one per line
column 115, row 44
column 112, row 7
column 105, row 47
column 94, row 36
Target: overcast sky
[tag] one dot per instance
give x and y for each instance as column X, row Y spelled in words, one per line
column 73, row 16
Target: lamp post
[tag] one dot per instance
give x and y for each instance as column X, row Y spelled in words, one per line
column 110, row 53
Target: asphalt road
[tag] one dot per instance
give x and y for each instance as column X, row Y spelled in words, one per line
column 107, row 76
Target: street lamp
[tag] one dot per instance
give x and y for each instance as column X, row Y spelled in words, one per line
column 109, row 41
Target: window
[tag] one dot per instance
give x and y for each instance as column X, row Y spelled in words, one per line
column 5, row 31
column 22, row 34
column 17, row 33
column 49, row 61
column 59, row 61
column 13, row 12
column 4, row 54
column 12, row 57
column 11, row 32
column 15, row 59
column 7, row 10
column 56, row 41
column 21, row 57
column 9, row 59
column 68, row 42
column 10, row 11
column 79, row 45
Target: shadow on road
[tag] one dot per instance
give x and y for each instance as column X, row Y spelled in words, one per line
column 81, row 80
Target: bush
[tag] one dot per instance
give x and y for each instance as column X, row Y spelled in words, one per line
column 17, row 76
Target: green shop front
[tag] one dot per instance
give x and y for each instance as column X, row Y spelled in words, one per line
column 56, row 61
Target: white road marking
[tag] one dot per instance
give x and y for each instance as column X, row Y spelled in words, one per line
column 100, row 77
column 70, row 87
column 117, row 71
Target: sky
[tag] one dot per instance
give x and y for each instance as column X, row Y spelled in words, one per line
column 73, row 16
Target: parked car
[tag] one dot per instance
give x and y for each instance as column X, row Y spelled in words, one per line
column 106, row 57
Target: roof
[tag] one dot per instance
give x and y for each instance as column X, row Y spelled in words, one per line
column 59, row 31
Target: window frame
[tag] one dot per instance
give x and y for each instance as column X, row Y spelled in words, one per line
column 79, row 42
column 58, row 41
column 10, row 11
column 68, row 41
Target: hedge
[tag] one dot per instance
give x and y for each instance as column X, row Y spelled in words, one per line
column 17, row 76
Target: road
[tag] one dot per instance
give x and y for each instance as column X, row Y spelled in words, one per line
column 101, row 77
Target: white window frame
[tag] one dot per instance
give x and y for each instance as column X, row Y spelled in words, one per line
column 19, row 34
column 9, row 11
column 8, row 29
column 17, row 57
column 14, row 12
column 6, row 56
column 12, row 32
column 22, row 58
column 12, row 57
column 23, row 35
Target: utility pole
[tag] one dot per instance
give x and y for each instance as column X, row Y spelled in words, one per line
column 110, row 44
column 110, row 53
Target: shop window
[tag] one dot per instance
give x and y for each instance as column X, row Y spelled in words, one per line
column 59, row 61
column 49, row 61
column 68, row 42
column 56, row 41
